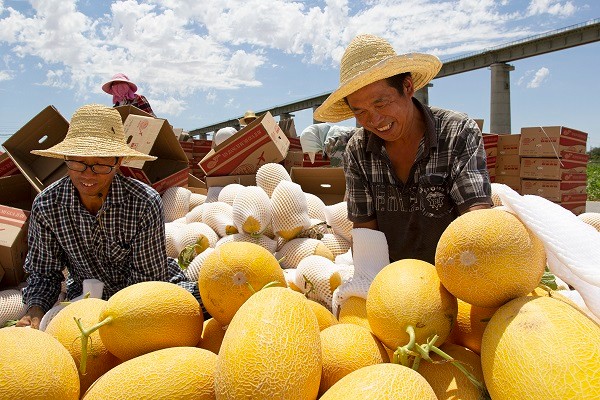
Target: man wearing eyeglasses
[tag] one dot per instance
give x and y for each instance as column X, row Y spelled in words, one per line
column 94, row 222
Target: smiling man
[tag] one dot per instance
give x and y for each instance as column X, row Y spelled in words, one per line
column 95, row 223
column 410, row 169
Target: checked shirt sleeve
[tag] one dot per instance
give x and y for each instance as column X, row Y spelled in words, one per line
column 44, row 262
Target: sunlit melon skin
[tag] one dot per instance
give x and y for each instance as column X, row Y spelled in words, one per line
column 541, row 348
column 271, row 349
column 381, row 382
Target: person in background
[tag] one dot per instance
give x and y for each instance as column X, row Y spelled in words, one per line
column 410, row 169
column 248, row 117
column 330, row 140
column 94, row 222
column 124, row 93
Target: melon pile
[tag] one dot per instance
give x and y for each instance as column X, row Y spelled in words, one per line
column 296, row 315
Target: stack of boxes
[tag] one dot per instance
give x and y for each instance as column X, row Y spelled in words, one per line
column 195, row 150
column 554, row 165
column 508, row 161
column 490, row 144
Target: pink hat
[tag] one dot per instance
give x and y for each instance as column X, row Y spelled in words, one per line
column 120, row 77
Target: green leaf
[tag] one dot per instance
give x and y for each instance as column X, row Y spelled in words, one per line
column 549, row 280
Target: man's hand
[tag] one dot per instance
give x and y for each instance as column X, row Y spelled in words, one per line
column 32, row 318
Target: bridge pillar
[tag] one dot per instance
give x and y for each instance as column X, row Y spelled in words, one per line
column 500, row 98
column 423, row 94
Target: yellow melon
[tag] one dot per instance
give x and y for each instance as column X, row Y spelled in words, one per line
column 271, row 349
column 324, row 317
column 447, row 381
column 232, row 273
column 175, row 373
column 541, row 348
column 148, row 316
column 354, row 311
column 409, row 293
column 62, row 327
column 381, row 382
column 212, row 335
column 346, row 348
column 35, row 366
column 470, row 324
column 488, row 257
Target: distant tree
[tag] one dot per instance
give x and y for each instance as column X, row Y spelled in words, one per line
column 594, row 154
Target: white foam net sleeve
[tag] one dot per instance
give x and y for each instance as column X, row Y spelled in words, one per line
column 572, row 246
column 176, row 202
column 316, row 207
column 193, row 269
column 195, row 214
column 252, row 210
column 172, row 231
column 290, row 276
column 336, row 243
column 591, row 218
column 354, row 287
column 11, row 305
column 289, row 208
column 370, row 252
column 336, row 216
column 196, row 199
column 219, row 216
column 345, row 259
column 295, row 250
column 260, row 240
column 269, row 175
column 192, row 232
column 313, row 277
column 230, row 192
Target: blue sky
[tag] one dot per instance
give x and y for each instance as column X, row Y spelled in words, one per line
column 200, row 63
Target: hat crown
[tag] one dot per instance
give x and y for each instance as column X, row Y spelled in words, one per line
column 363, row 52
column 120, row 76
column 96, row 121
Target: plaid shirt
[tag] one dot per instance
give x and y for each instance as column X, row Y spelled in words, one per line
column 124, row 243
column 140, row 102
column 449, row 176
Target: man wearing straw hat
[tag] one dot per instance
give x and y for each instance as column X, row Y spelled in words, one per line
column 410, row 169
column 96, row 223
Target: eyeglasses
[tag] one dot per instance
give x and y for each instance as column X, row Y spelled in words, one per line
column 79, row 166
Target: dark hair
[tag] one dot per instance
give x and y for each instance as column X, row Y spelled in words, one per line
column 397, row 82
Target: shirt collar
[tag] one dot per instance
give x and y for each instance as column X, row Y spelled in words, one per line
column 375, row 143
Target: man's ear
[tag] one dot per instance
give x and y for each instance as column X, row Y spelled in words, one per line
column 407, row 85
column 119, row 161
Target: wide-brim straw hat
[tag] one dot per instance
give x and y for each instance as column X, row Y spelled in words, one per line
column 120, row 77
column 368, row 59
column 248, row 117
column 95, row 131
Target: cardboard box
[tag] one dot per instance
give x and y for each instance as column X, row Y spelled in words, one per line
column 188, row 149
column 16, row 193
column 196, row 185
column 512, row 181
column 221, row 181
column 201, row 147
column 551, row 141
column 492, row 173
column 508, row 165
column 128, row 110
column 43, row 131
column 490, row 144
column 479, row 123
column 259, row 143
column 154, row 136
column 1, row 274
column 576, row 206
column 7, row 166
column 553, row 168
column 508, row 144
column 553, row 190
column 295, row 143
column 327, row 183
column 294, row 158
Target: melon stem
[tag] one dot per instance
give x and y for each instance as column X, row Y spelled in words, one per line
column 461, row 367
column 85, row 336
column 401, row 355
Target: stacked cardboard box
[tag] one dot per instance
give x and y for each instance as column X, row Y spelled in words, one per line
column 554, row 165
column 508, row 161
column 195, row 150
column 490, row 144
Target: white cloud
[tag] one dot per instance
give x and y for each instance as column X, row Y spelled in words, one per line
column 539, row 78
column 552, row 7
column 5, row 75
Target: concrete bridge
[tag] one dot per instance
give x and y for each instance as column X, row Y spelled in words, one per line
column 496, row 58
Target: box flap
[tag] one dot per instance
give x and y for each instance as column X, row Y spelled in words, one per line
column 221, row 181
column 16, row 191
column 328, row 183
column 43, row 131
column 127, row 110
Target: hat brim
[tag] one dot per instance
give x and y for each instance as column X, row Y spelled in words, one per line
column 247, row 120
column 423, row 68
column 89, row 147
column 107, row 85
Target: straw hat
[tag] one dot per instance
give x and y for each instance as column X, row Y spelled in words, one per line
column 120, row 77
column 95, row 131
column 248, row 117
column 368, row 59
